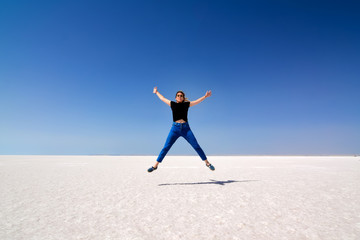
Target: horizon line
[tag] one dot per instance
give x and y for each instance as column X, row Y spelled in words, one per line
column 185, row 155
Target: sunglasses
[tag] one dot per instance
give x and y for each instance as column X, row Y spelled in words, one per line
column 179, row 95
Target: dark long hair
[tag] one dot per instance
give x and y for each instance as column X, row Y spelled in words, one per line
column 185, row 99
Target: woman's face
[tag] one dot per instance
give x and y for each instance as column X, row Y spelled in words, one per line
column 179, row 97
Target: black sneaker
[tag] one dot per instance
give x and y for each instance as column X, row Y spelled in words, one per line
column 212, row 168
column 152, row 169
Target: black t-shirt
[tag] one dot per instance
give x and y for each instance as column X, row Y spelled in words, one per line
column 180, row 110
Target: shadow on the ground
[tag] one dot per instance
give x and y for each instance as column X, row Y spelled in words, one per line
column 212, row 182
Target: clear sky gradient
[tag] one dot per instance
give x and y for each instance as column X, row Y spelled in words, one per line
column 76, row 77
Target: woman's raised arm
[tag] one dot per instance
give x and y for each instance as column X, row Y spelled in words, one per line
column 162, row 98
column 207, row 94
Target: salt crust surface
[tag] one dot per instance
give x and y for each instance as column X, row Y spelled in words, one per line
column 114, row 197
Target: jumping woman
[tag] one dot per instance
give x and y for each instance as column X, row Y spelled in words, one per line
column 180, row 126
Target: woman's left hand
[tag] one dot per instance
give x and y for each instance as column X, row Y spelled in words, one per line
column 208, row 94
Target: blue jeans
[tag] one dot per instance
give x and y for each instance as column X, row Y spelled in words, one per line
column 180, row 130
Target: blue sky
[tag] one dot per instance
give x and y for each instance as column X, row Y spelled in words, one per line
column 76, row 77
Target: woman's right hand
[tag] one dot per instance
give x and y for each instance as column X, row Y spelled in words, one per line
column 168, row 102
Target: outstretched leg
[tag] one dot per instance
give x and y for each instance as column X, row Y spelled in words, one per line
column 190, row 137
column 171, row 139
